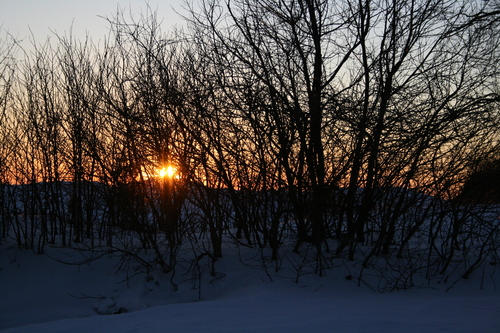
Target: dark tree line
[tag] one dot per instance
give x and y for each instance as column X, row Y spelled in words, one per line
column 308, row 129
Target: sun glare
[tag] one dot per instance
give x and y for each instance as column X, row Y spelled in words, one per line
column 168, row 171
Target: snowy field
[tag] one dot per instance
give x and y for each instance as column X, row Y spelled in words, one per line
column 40, row 294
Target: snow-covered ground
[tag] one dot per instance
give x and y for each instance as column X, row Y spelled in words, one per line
column 39, row 294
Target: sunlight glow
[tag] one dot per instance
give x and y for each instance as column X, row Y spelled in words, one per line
column 168, row 171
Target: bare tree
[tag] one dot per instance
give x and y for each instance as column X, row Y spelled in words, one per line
column 364, row 94
column 348, row 126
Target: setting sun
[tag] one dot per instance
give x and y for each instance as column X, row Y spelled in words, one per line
column 168, row 171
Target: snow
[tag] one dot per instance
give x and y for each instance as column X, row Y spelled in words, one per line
column 41, row 294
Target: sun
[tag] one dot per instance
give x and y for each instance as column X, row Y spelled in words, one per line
column 168, row 171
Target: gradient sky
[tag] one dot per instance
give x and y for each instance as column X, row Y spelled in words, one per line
column 18, row 17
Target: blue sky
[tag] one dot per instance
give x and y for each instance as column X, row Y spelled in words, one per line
column 18, row 17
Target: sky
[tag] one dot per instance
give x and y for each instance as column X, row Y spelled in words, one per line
column 44, row 17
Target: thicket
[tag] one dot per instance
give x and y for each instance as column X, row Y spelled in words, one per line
column 323, row 131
